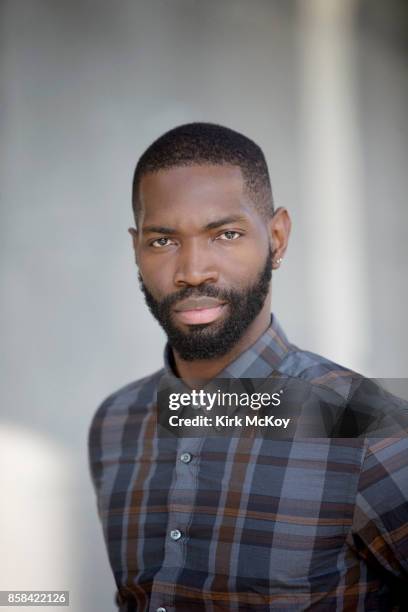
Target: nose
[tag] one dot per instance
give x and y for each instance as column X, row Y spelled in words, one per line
column 194, row 265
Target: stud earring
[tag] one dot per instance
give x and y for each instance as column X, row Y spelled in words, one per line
column 277, row 262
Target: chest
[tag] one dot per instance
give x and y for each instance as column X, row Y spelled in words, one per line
column 259, row 509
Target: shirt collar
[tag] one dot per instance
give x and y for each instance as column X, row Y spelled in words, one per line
column 257, row 361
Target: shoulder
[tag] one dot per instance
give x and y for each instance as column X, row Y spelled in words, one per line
column 113, row 411
column 361, row 406
column 318, row 371
column 140, row 392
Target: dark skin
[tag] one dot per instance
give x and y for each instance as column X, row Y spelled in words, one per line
column 175, row 247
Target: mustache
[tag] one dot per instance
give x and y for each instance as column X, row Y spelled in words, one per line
column 192, row 292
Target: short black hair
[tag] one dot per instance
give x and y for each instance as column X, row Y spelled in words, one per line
column 205, row 144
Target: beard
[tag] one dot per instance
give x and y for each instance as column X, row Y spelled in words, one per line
column 210, row 340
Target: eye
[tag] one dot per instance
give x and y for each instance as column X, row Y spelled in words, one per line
column 160, row 242
column 229, row 235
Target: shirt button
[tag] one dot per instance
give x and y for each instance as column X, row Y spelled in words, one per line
column 175, row 534
column 185, row 457
column 161, row 609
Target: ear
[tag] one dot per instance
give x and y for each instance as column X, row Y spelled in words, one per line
column 135, row 241
column 279, row 232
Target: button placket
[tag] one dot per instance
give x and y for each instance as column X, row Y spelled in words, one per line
column 182, row 490
column 184, row 485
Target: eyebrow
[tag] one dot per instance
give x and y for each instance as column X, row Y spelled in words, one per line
column 161, row 229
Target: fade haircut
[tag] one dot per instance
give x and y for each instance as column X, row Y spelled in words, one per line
column 208, row 144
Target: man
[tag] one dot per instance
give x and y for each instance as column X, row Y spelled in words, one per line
column 235, row 523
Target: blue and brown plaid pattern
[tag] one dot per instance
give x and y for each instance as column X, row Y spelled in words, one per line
column 217, row 524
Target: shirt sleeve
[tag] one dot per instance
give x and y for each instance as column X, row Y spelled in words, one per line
column 379, row 531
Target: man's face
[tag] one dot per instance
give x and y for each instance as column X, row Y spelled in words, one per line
column 204, row 256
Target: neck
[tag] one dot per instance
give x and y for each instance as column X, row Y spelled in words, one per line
column 206, row 369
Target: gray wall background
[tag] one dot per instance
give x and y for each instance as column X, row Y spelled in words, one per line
column 86, row 85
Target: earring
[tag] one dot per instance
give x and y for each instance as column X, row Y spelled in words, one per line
column 277, row 262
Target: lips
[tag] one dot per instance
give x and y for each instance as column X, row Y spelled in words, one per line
column 198, row 303
column 194, row 311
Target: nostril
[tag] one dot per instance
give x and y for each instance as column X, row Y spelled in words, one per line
column 195, row 277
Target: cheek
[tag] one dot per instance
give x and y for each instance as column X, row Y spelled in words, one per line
column 157, row 278
column 244, row 265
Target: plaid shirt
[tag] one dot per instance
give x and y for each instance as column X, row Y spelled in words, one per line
column 238, row 524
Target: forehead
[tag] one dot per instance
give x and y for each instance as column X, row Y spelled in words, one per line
column 186, row 192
